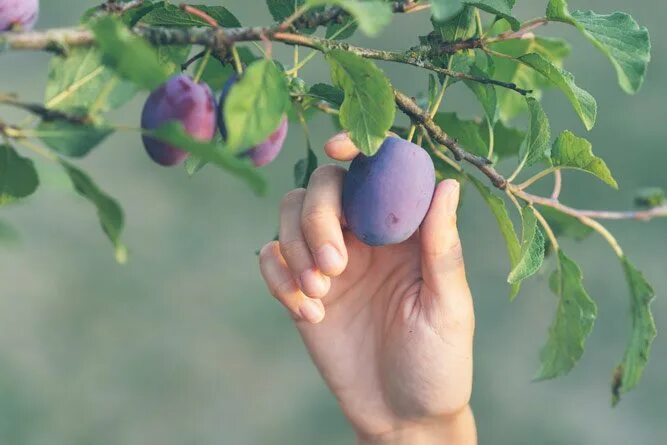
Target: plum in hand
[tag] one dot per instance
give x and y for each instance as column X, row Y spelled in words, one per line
column 386, row 196
column 184, row 100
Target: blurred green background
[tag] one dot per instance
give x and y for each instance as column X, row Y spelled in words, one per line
column 183, row 345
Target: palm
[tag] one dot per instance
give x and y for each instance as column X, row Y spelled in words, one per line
column 384, row 347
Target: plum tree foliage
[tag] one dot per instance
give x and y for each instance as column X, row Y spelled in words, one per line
column 124, row 47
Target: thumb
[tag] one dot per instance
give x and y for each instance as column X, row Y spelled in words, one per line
column 341, row 148
column 442, row 256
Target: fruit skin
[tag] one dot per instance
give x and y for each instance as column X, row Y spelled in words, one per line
column 184, row 100
column 22, row 13
column 268, row 150
column 386, row 196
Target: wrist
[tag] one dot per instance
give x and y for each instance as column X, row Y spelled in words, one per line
column 457, row 429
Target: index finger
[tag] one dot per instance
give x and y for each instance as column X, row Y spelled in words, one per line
column 341, row 148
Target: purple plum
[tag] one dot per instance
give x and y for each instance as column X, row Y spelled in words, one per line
column 386, row 196
column 180, row 99
column 268, row 150
column 21, row 14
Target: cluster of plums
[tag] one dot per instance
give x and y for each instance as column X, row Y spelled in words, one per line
column 18, row 14
column 193, row 105
column 385, row 196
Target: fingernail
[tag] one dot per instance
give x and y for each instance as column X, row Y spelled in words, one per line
column 313, row 283
column 311, row 311
column 329, row 259
column 338, row 137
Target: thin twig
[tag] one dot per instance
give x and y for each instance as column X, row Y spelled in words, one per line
column 46, row 114
column 558, row 184
column 199, row 13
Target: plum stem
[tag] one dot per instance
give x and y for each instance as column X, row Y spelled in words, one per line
column 202, row 66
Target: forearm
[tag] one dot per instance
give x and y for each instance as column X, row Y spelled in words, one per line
column 456, row 430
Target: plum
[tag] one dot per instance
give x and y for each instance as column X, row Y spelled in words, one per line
column 180, row 99
column 18, row 13
column 268, row 150
column 386, row 196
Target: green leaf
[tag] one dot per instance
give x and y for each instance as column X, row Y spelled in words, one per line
column 573, row 323
column 630, row 370
column 538, row 139
column 174, row 134
column 570, row 151
column 617, row 36
column 532, row 248
column 79, row 81
column 193, row 164
column 322, row 91
column 473, row 135
column 371, row 15
column 173, row 56
column 255, row 105
column 216, row 74
column 497, row 206
column 129, row 55
column 650, row 197
column 108, row 211
column 18, row 177
column 457, row 27
column 170, row 15
column 445, row 9
column 71, row 139
column 564, row 225
column 512, row 104
column 486, row 94
column 368, row 110
column 281, row 9
column 304, row 168
column 342, row 30
column 501, row 8
column 584, row 104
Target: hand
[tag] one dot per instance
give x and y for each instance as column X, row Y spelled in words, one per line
column 395, row 346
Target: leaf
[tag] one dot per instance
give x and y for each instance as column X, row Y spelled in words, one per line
column 108, row 211
column 460, row 26
column 304, row 168
column 564, row 225
column 173, row 56
column 630, row 370
column 584, row 104
column 216, row 74
column 445, row 9
column 473, row 135
column 281, row 9
column 486, row 94
column 617, row 36
column 129, row 55
column 173, row 133
column 368, row 110
column 532, row 248
column 501, row 8
column 327, row 93
column 255, row 105
column 538, row 139
column 650, row 197
column 170, row 15
column 371, row 15
column 71, row 139
column 18, row 177
column 497, row 206
column 570, row 151
column 193, row 164
column 573, row 323
column 510, row 103
column 79, row 81
column 342, row 30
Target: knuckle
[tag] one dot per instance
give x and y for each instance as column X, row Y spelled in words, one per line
column 314, row 217
column 292, row 197
column 327, row 171
column 295, row 248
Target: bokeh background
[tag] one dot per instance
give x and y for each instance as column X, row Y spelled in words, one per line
column 183, row 345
